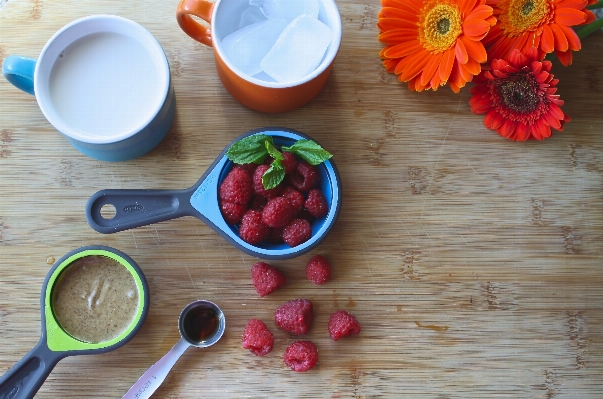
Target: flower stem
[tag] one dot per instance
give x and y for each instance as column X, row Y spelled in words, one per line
column 595, row 6
column 590, row 28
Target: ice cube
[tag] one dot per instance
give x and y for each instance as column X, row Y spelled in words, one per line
column 264, row 76
column 298, row 50
column 288, row 9
column 251, row 15
column 246, row 47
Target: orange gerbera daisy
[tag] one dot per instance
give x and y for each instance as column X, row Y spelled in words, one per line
column 433, row 42
column 518, row 97
column 544, row 24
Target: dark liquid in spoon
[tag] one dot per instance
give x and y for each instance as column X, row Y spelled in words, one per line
column 200, row 324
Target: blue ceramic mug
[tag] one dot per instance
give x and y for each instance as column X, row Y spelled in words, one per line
column 104, row 82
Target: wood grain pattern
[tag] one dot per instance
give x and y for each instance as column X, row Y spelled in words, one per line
column 473, row 263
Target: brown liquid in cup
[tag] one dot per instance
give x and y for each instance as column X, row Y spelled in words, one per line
column 96, row 299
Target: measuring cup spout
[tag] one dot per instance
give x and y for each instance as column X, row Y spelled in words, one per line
column 25, row 378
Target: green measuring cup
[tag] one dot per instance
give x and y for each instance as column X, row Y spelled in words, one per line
column 26, row 377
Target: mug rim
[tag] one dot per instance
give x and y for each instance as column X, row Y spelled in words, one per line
column 327, row 61
column 42, row 92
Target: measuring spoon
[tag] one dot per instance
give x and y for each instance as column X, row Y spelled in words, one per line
column 26, row 377
column 201, row 324
column 136, row 208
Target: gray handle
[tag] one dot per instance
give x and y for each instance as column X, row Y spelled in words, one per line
column 136, row 208
column 148, row 383
column 25, row 378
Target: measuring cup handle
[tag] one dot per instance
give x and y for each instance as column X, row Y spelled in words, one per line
column 156, row 374
column 199, row 8
column 25, row 378
column 136, row 208
column 19, row 71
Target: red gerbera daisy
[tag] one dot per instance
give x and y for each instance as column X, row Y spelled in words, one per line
column 433, row 42
column 518, row 97
column 544, row 24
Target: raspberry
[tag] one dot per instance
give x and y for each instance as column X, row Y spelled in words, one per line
column 247, row 167
column 295, row 198
column 301, row 356
column 236, row 187
column 290, row 163
column 257, row 338
column 294, row 316
column 258, row 186
column 297, row 232
column 318, row 270
column 341, row 324
column 232, row 212
column 266, row 278
column 316, row 203
column 304, row 177
column 253, row 230
column 278, row 212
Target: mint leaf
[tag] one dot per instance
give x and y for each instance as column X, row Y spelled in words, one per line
column 273, row 152
column 310, row 151
column 274, row 175
column 251, row 149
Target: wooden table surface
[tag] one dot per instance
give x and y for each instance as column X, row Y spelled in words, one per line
column 473, row 263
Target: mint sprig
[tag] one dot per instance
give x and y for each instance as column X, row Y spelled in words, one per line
column 310, row 151
column 251, row 149
column 255, row 149
column 274, row 175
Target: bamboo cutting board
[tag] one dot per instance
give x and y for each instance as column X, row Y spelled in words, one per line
column 474, row 264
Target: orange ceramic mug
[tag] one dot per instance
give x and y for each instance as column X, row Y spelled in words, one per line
column 266, row 96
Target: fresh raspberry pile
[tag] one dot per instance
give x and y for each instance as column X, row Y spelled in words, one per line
column 266, row 278
column 294, row 316
column 286, row 211
column 257, row 338
column 318, row 270
column 301, row 356
column 342, row 324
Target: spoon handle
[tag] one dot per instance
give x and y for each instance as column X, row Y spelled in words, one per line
column 148, row 383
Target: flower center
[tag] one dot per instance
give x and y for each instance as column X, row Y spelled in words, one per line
column 439, row 25
column 518, row 16
column 520, row 94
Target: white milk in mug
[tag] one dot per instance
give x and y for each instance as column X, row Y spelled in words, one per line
column 104, row 82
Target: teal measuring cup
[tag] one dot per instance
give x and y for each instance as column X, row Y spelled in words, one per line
column 26, row 377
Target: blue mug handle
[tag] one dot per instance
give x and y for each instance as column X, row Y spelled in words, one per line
column 19, row 71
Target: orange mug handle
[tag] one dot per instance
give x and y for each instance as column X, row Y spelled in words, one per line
column 199, row 8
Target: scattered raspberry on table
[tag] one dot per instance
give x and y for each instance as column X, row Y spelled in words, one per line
column 301, row 356
column 266, row 278
column 318, row 269
column 294, row 316
column 257, row 338
column 342, row 324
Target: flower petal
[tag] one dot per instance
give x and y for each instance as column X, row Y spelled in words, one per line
column 446, row 64
column 480, row 12
column 461, row 52
column 403, row 49
column 508, row 128
column 390, row 12
column 573, row 40
column 569, row 16
column 397, row 36
column 475, row 49
column 577, row 4
column 493, row 120
column 476, row 28
column 565, row 57
column 387, row 24
column 430, row 68
column 547, row 40
column 465, row 6
column 415, row 66
column 522, row 132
